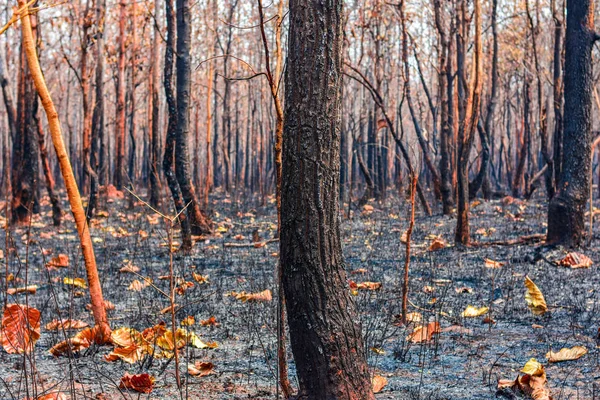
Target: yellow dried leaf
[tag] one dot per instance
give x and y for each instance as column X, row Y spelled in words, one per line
column 471, row 311
column 533, row 368
column 534, row 298
column 188, row 321
column 365, row 285
column 79, row 282
column 566, row 354
column 200, row 278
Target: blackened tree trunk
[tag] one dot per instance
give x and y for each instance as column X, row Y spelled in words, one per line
column 325, row 337
column 199, row 222
column 120, row 118
column 25, row 144
column 486, row 131
column 169, row 156
column 557, row 92
column 97, row 134
column 566, row 222
column 469, row 117
column 154, row 129
column 446, row 83
column 54, row 200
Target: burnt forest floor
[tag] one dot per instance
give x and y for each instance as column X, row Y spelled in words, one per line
column 459, row 363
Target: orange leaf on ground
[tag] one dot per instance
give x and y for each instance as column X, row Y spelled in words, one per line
column 66, row 324
column 437, row 244
column 265, row 295
column 424, row 333
column 379, row 382
column 576, row 260
column 60, row 261
column 200, row 368
column 142, row 383
column 20, row 328
column 82, row 340
column 212, row 321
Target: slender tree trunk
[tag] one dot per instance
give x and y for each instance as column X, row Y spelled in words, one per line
column 469, row 121
column 169, row 156
column 120, row 118
column 154, row 109
column 566, row 222
column 446, row 79
column 97, row 128
column 199, row 222
column 102, row 327
column 326, row 339
column 486, row 132
column 557, row 92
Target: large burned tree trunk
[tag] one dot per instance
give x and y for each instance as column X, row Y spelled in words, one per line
column 566, row 222
column 325, row 337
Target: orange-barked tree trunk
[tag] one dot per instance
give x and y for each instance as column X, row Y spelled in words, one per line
column 98, row 310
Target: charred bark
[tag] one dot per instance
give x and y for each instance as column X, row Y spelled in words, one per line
column 325, row 337
column 566, row 222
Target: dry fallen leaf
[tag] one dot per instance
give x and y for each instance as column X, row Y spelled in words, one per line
column 265, row 295
column 142, row 383
column 212, row 321
column 200, row 368
column 49, row 396
column 82, row 340
column 379, row 382
column 471, row 311
column 78, row 282
column 60, row 261
column 534, row 298
column 31, row 289
column 188, row 321
column 532, row 384
column 566, row 354
column 65, row 324
column 20, row 328
column 492, row 264
column 424, row 333
column 108, row 306
column 576, row 260
column 130, row 268
column 365, row 285
column 437, row 244
column 200, row 278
